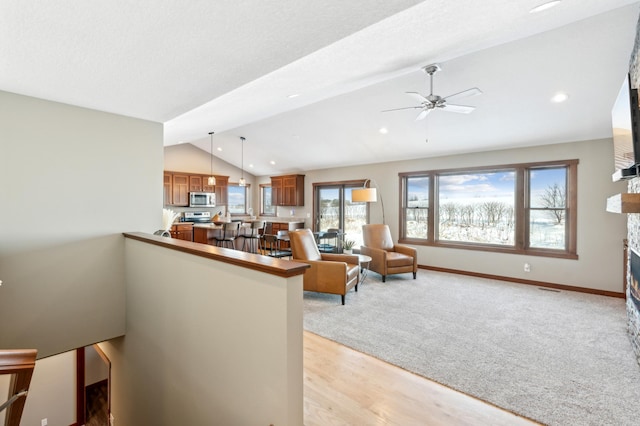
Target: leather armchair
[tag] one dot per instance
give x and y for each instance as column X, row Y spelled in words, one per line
column 386, row 257
column 329, row 272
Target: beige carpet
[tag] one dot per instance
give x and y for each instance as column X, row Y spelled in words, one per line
column 560, row 358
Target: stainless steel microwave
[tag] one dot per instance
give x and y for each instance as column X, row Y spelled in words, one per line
column 202, row 199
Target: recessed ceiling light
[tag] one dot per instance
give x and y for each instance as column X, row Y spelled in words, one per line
column 383, row 130
column 545, row 6
column 251, row 166
column 219, row 149
column 559, row 97
column 273, row 163
column 293, row 95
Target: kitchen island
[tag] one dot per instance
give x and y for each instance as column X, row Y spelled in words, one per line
column 205, row 233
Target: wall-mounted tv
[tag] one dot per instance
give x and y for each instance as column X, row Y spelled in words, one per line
column 625, row 115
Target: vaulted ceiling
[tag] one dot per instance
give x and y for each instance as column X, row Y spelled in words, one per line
column 232, row 67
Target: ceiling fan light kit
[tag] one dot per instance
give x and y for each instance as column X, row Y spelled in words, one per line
column 430, row 102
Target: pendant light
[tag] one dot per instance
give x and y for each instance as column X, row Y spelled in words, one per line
column 242, row 181
column 212, row 179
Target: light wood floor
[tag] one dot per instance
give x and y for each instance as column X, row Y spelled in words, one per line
column 346, row 387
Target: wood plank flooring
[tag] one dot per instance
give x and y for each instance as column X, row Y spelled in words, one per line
column 347, row 387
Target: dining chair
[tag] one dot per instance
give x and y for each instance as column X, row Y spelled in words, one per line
column 331, row 236
column 271, row 246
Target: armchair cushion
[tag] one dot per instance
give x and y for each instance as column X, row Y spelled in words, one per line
column 395, row 259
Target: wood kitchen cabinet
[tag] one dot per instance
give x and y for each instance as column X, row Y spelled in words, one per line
column 177, row 186
column 287, row 190
column 180, row 190
column 182, row 231
column 222, row 195
column 205, row 185
column 285, row 226
column 168, row 189
column 195, row 183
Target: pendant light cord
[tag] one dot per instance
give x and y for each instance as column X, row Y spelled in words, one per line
column 242, row 159
column 211, row 179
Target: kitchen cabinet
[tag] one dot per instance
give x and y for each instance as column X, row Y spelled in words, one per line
column 195, row 183
column 168, row 189
column 182, row 231
column 222, row 195
column 177, row 186
column 205, row 185
column 202, row 235
column 287, row 190
column 180, row 190
column 285, row 226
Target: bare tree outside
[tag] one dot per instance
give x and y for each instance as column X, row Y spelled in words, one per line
column 493, row 212
column 448, row 212
column 554, row 197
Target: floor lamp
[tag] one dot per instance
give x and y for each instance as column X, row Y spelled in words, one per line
column 367, row 195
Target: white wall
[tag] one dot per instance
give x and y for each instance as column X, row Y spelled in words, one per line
column 52, row 391
column 207, row 343
column 73, row 180
column 600, row 234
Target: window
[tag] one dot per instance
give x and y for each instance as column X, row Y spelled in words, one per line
column 237, row 203
column 416, row 211
column 548, row 208
column 335, row 209
column 266, row 208
column 477, row 207
column 522, row 208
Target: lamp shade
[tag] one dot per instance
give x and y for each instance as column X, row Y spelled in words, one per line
column 367, row 195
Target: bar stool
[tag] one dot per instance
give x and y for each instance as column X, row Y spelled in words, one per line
column 228, row 235
column 272, row 248
column 252, row 237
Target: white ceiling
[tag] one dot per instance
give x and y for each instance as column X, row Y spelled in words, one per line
column 229, row 66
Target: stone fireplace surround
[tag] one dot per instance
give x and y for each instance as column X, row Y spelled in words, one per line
column 633, row 219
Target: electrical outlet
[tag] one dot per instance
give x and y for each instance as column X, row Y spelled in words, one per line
column 527, row 267
column 44, row 422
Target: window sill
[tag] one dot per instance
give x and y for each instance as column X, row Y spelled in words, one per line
column 560, row 254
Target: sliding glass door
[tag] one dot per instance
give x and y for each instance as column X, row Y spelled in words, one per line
column 334, row 209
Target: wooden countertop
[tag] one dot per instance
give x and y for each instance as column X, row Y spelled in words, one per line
column 257, row 262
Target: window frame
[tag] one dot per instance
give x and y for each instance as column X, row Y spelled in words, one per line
column 264, row 186
column 521, row 209
column 247, row 191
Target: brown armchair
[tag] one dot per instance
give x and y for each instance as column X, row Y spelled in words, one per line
column 386, row 257
column 329, row 273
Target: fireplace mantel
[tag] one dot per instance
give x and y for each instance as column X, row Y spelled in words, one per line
column 624, row 203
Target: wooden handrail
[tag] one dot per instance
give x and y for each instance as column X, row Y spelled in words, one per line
column 256, row 262
column 20, row 364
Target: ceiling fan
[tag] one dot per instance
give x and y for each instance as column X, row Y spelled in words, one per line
column 431, row 102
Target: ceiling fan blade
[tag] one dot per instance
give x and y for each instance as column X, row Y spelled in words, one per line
column 398, row 109
column 465, row 93
column 417, row 96
column 463, row 109
column 423, row 114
